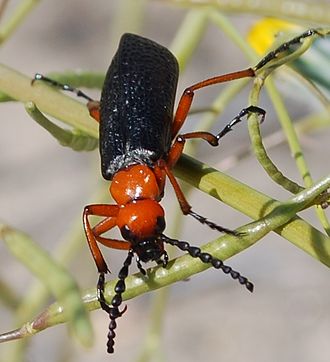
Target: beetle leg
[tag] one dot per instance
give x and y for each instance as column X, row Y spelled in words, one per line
column 62, row 86
column 98, row 210
column 188, row 95
column 178, row 145
column 104, row 226
column 186, row 208
column 184, row 205
column 176, row 151
column 92, row 105
column 93, row 236
column 94, row 109
column 114, row 243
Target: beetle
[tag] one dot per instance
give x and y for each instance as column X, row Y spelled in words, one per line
column 140, row 143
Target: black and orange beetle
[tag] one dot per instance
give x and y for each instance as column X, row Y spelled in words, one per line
column 139, row 145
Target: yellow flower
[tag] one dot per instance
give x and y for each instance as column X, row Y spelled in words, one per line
column 263, row 34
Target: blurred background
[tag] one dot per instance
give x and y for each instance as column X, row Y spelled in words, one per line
column 44, row 188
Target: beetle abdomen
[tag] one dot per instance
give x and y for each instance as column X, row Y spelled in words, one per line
column 137, row 104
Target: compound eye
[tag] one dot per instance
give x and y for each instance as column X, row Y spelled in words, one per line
column 160, row 227
column 126, row 233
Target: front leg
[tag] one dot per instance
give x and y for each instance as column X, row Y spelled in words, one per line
column 98, row 210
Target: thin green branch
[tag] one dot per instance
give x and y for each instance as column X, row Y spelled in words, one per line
column 76, row 139
column 283, row 54
column 8, row 297
column 37, row 294
column 312, row 123
column 295, row 147
column 316, row 12
column 268, row 165
column 76, row 78
column 129, row 18
column 288, row 129
column 309, row 85
column 255, row 204
column 48, row 100
column 79, row 79
column 230, row 30
column 151, row 345
column 16, row 19
column 3, row 5
column 53, row 276
column 282, row 57
column 259, row 150
column 269, row 213
column 189, row 35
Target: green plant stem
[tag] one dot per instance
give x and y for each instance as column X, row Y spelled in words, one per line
column 189, row 35
column 53, row 276
column 15, row 20
column 77, row 79
column 76, row 139
column 3, row 5
column 48, row 100
column 129, row 19
column 269, row 213
column 253, row 204
column 294, row 145
column 309, row 85
column 309, row 12
column 293, row 141
column 152, row 343
column 37, row 295
column 290, row 132
column 230, row 30
column 284, row 118
column 309, row 124
column 8, row 297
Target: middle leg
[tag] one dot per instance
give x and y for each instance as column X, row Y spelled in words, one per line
column 177, row 149
column 178, row 145
column 186, row 207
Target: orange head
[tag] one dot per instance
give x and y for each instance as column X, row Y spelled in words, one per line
column 141, row 222
column 141, row 219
